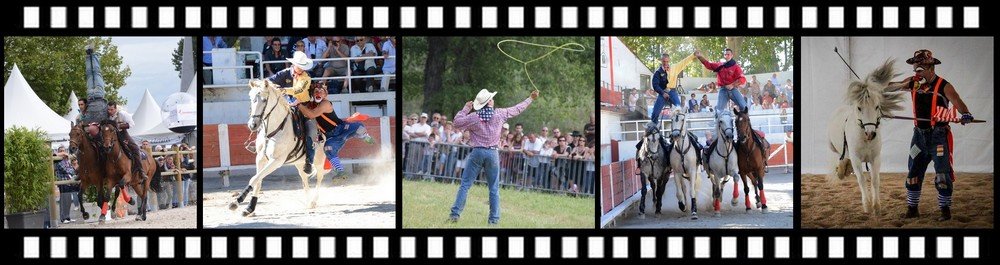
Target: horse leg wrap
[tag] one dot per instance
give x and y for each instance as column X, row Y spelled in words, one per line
column 128, row 199
column 243, row 194
column 718, row 204
column 253, row 205
column 763, row 200
column 694, row 205
column 104, row 209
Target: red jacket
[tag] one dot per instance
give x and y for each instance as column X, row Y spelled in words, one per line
column 726, row 76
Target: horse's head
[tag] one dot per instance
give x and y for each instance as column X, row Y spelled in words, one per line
column 652, row 139
column 743, row 126
column 678, row 126
column 109, row 135
column 724, row 125
column 75, row 138
column 259, row 97
column 874, row 97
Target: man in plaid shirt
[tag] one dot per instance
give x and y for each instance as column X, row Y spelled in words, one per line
column 483, row 123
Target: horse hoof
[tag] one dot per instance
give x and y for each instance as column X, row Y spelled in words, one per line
column 312, row 205
column 748, row 209
column 734, row 202
column 233, row 206
column 758, row 205
column 763, row 210
column 86, row 216
column 247, row 214
column 718, row 214
column 694, row 217
column 681, row 206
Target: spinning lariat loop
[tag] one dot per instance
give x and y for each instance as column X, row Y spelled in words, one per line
column 576, row 48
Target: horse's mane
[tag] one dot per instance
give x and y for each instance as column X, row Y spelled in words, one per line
column 876, row 89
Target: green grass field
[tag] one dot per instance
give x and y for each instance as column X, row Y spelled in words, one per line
column 427, row 205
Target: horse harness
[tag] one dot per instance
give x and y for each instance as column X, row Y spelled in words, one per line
column 250, row 143
column 679, row 146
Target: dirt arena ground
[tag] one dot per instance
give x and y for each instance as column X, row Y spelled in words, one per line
column 837, row 204
column 181, row 218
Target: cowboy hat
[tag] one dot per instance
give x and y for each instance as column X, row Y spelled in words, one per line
column 482, row 98
column 923, row 56
column 300, row 60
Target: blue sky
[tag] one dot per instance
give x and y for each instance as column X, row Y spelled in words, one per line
column 149, row 58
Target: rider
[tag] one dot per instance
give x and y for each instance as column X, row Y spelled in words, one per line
column 336, row 130
column 296, row 84
column 665, row 84
column 932, row 140
column 729, row 77
column 124, row 120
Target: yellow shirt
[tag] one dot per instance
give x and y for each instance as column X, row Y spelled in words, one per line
column 300, row 88
column 676, row 69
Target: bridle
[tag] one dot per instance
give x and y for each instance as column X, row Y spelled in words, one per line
column 250, row 143
column 878, row 121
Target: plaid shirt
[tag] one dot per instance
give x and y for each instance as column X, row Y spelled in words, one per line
column 487, row 134
column 65, row 171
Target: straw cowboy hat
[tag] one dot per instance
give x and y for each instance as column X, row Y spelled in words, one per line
column 482, row 98
column 300, row 60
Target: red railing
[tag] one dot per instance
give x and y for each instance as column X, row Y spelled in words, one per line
column 618, row 182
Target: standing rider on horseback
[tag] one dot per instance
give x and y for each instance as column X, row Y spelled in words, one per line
column 296, row 84
column 729, row 76
column 665, row 84
column 932, row 140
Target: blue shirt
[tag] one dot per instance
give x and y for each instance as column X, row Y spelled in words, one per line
column 206, row 46
column 283, row 78
column 660, row 80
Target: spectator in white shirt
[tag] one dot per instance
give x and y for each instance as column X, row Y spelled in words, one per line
column 315, row 48
column 421, row 130
column 363, row 66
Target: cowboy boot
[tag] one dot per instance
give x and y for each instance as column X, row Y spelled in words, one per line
column 945, row 214
column 913, row 212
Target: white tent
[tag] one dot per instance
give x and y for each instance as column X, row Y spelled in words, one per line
column 149, row 123
column 22, row 107
column 74, row 109
column 147, row 116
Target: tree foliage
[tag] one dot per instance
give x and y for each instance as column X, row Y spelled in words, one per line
column 756, row 54
column 441, row 74
column 54, row 66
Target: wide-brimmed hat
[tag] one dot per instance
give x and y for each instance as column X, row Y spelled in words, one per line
column 482, row 98
column 923, row 56
column 301, row 60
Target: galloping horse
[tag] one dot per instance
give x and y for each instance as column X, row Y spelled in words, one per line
column 655, row 168
column 854, row 130
column 684, row 161
column 722, row 160
column 751, row 152
column 276, row 144
column 119, row 166
column 91, row 171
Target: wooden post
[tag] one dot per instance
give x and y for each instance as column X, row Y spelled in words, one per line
column 53, row 207
column 178, row 190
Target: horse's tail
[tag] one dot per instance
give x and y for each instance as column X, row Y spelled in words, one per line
column 155, row 184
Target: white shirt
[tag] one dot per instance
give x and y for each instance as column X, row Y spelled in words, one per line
column 356, row 51
column 456, row 137
column 406, row 132
column 123, row 117
column 390, row 63
column 315, row 49
column 421, row 128
column 545, row 154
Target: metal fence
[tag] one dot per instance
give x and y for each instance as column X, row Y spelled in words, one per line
column 259, row 66
column 446, row 162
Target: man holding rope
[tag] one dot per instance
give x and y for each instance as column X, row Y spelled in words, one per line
column 932, row 138
column 483, row 122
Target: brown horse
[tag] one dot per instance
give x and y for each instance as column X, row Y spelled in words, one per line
column 119, row 166
column 751, row 155
column 91, row 172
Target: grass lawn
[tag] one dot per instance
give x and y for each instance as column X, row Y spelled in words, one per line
column 428, row 204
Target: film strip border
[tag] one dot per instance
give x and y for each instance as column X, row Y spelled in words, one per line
column 793, row 16
column 488, row 247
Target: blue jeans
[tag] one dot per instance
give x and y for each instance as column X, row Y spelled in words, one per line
column 489, row 161
column 309, row 125
column 675, row 100
column 185, row 184
column 726, row 94
column 588, row 182
column 336, row 138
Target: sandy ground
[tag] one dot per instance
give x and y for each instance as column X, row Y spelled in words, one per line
column 185, row 218
column 361, row 201
column 837, row 204
column 778, row 187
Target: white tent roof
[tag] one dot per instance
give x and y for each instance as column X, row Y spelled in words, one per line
column 159, row 135
column 22, row 107
column 74, row 109
column 147, row 115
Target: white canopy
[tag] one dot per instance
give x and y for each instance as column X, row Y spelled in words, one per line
column 147, row 115
column 74, row 109
column 22, row 107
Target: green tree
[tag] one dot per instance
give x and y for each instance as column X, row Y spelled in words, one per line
column 54, row 66
column 756, row 54
column 441, row 74
column 177, row 56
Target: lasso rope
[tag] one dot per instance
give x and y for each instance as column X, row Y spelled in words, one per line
column 578, row 48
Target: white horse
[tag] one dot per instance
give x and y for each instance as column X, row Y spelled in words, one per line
column 684, row 162
column 854, row 131
column 654, row 169
column 276, row 144
column 722, row 160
